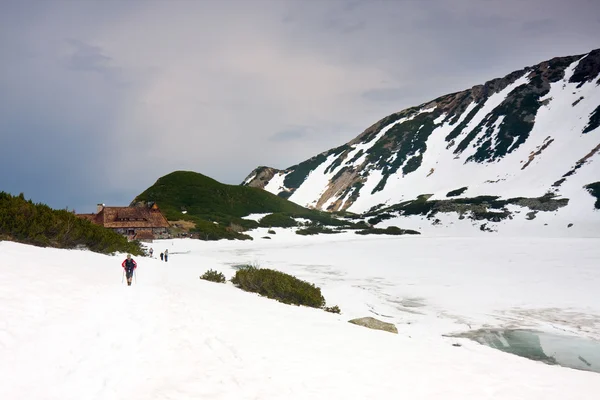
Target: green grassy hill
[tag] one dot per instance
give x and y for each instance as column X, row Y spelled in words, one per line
column 37, row 224
column 216, row 208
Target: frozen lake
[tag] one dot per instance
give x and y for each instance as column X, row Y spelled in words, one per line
column 567, row 351
column 432, row 286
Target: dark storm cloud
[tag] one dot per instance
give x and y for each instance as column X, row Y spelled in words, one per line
column 385, row 94
column 87, row 58
column 290, row 134
column 99, row 99
column 539, row 27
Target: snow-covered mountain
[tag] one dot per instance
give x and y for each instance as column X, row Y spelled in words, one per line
column 528, row 140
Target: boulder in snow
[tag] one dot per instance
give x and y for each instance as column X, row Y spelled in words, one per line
column 373, row 323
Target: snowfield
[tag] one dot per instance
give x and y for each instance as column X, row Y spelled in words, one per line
column 69, row 329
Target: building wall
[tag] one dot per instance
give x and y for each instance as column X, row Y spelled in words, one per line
column 159, row 233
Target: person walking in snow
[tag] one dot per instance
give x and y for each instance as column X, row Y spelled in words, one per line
column 129, row 265
column 166, row 254
column 151, row 251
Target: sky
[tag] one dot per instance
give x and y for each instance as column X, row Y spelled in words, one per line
column 99, row 99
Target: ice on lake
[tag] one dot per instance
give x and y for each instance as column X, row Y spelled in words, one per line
column 567, row 351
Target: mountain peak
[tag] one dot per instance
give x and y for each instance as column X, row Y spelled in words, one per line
column 529, row 133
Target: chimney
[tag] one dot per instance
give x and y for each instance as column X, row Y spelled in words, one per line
column 100, row 208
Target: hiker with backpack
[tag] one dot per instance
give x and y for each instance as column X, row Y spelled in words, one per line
column 129, row 266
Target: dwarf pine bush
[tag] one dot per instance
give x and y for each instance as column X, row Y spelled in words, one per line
column 390, row 230
column 279, row 220
column 315, row 230
column 213, row 276
column 279, row 286
column 37, row 224
column 334, row 309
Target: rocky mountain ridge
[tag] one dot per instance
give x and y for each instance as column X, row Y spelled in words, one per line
column 533, row 134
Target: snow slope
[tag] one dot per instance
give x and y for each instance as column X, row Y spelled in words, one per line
column 317, row 181
column 69, row 329
column 524, row 135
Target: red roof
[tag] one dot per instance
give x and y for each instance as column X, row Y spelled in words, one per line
column 128, row 217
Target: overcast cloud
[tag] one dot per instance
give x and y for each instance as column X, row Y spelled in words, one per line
column 98, row 99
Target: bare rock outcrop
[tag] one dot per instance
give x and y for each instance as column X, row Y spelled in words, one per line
column 373, row 323
column 260, row 177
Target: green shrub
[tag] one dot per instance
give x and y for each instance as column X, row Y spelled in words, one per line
column 279, row 220
column 490, row 215
column 390, row 230
column 380, row 217
column 322, row 218
column 487, row 207
column 243, row 266
column 334, row 309
column 420, row 206
column 315, row 230
column 456, row 192
column 39, row 225
column 345, row 214
column 360, row 225
column 213, row 276
column 279, row 286
column 207, row 230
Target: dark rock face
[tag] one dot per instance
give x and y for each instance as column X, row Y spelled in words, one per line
column 260, row 177
column 594, row 190
column 588, row 69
